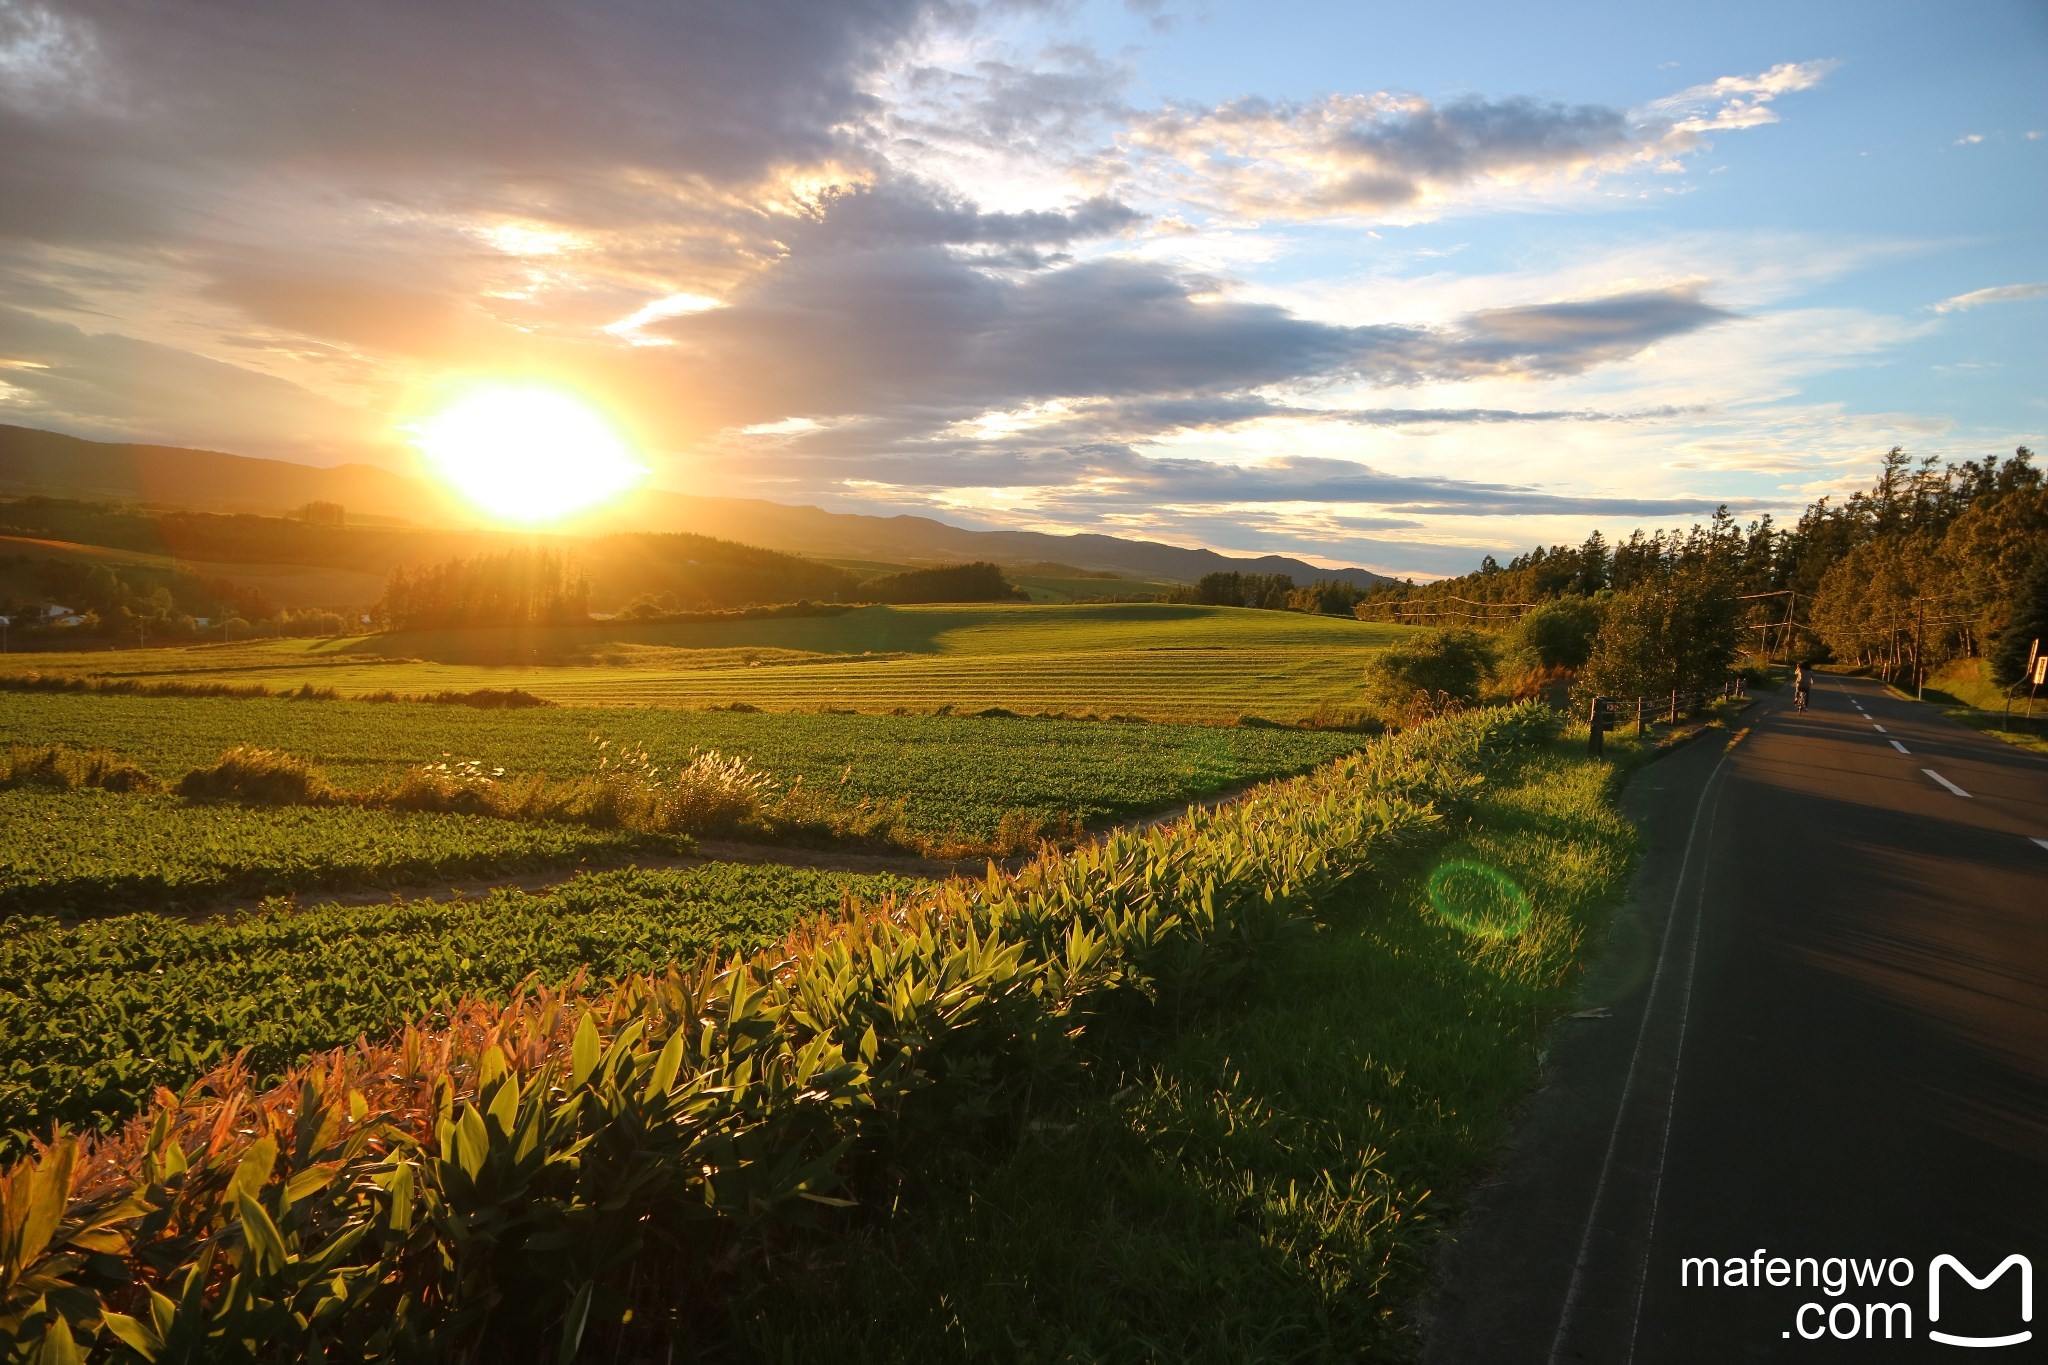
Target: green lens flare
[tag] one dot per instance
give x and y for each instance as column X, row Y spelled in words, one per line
column 1483, row 901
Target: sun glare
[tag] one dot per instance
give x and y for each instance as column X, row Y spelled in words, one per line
column 527, row 454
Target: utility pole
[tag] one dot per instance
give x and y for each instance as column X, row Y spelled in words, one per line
column 1919, row 667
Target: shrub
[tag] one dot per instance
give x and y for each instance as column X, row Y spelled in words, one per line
column 1555, row 634
column 713, row 792
column 1433, row 674
column 260, row 777
column 61, row 768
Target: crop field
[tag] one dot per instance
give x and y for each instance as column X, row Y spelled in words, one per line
column 1155, row 660
column 86, row 852
column 92, row 1018
column 956, row 775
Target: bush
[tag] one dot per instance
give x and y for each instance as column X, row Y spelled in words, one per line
column 1555, row 634
column 260, row 777
column 1432, row 674
column 713, row 792
column 61, row 768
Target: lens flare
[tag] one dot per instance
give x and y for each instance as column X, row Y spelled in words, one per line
column 527, row 454
column 1483, row 901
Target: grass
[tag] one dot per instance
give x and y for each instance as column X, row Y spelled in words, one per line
column 1267, row 1181
column 92, row 1018
column 1965, row 693
column 90, row 852
column 1151, row 659
column 956, row 776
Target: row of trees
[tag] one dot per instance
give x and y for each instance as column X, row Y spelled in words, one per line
column 1932, row 562
column 1271, row 592
column 506, row 588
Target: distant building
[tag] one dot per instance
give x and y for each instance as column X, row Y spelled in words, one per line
column 52, row 613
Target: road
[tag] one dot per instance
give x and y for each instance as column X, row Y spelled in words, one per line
column 1821, row 1031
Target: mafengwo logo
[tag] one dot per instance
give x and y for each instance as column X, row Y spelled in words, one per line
column 1881, row 1312
column 2026, row 1269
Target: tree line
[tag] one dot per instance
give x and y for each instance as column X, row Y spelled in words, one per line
column 1932, row 562
column 1270, row 592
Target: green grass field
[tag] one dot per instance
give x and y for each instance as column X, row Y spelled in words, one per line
column 88, row 852
column 1149, row 659
column 93, row 1018
column 954, row 774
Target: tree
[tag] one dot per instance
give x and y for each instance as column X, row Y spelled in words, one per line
column 1429, row 674
column 2027, row 624
column 1677, row 633
column 1556, row 634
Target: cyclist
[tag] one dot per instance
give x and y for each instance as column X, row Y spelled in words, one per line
column 1802, row 684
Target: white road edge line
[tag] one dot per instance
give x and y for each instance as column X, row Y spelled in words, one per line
column 1900, row 747
column 1692, row 959
column 2042, row 842
column 1572, row 1288
column 1946, row 783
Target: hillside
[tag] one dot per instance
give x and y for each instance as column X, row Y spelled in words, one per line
column 43, row 462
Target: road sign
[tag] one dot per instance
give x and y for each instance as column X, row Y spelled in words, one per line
column 2041, row 670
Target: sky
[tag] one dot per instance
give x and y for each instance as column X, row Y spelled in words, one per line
column 1369, row 283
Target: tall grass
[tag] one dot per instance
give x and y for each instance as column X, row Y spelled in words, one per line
column 479, row 698
column 62, row 768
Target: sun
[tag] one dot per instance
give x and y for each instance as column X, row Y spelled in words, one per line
column 526, row 453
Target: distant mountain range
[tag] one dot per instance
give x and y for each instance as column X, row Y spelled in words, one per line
column 55, row 465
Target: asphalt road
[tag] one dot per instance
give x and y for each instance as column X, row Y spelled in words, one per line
column 1821, row 1031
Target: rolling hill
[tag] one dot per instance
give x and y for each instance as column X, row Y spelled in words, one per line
column 49, row 463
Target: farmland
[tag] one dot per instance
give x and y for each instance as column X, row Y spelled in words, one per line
column 89, row 852
column 93, row 1017
column 1160, row 661
column 954, row 774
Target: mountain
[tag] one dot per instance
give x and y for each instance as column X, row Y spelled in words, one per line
column 55, row 465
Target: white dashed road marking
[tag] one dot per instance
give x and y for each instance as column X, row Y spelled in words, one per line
column 1944, row 782
column 1900, row 747
column 2042, row 842
column 1879, row 728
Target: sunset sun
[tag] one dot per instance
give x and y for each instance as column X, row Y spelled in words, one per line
column 527, row 454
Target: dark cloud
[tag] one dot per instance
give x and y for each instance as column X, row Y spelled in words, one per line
column 487, row 96
column 904, row 212
column 924, row 336
column 1375, row 153
column 1464, row 140
column 1564, row 338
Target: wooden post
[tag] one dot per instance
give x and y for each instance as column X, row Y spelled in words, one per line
column 1642, row 717
column 1595, row 727
column 1674, row 706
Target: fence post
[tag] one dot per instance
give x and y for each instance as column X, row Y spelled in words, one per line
column 1642, row 716
column 1596, row 727
column 1674, row 706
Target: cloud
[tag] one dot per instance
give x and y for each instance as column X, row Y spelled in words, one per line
column 106, row 385
column 1401, row 155
column 2003, row 293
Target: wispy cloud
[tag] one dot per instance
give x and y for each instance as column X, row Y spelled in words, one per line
column 1394, row 154
column 2001, row 293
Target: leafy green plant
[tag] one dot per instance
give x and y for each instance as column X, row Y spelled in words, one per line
column 479, row 1185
